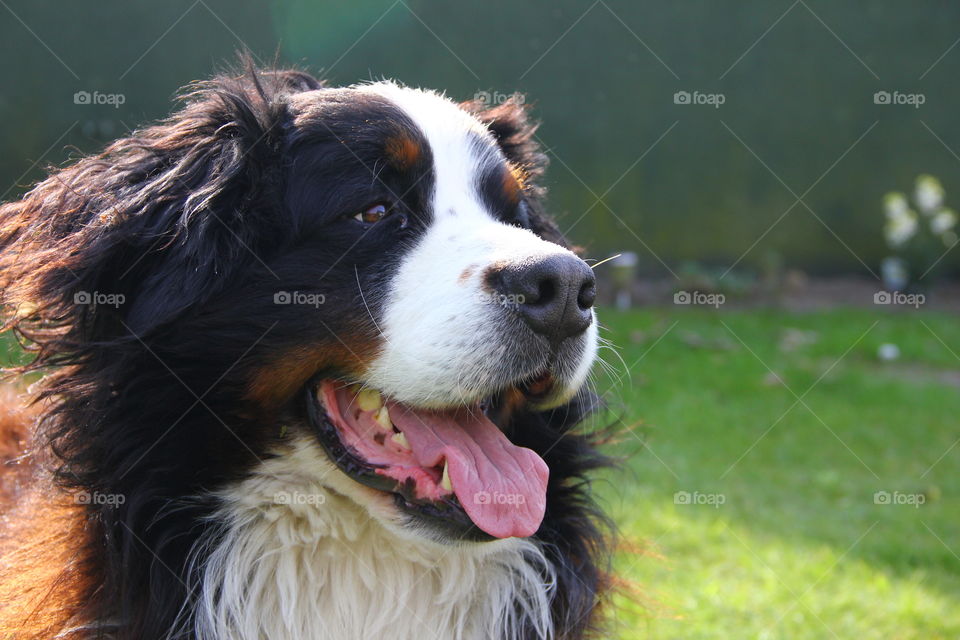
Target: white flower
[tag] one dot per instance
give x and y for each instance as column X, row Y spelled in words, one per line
column 900, row 228
column 943, row 221
column 928, row 194
column 895, row 204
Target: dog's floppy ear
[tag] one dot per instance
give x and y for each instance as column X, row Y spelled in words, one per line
column 152, row 224
column 513, row 129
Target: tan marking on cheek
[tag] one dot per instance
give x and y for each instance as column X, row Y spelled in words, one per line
column 403, row 151
column 286, row 374
column 466, row 274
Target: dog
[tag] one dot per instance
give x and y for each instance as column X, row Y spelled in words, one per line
column 314, row 363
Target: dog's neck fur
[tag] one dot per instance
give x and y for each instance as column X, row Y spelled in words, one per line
column 296, row 558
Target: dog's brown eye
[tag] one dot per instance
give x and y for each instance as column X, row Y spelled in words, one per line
column 376, row 213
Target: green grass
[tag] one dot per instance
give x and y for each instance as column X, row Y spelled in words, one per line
column 798, row 549
column 10, row 352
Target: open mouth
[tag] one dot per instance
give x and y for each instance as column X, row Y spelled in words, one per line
column 454, row 467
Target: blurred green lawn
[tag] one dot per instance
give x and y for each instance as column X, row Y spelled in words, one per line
column 798, row 549
column 10, row 352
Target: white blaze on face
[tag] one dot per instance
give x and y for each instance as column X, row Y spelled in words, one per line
column 444, row 329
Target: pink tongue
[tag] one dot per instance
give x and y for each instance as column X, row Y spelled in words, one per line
column 502, row 487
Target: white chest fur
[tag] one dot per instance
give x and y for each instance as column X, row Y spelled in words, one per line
column 306, row 553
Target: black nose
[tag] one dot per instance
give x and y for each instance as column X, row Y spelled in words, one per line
column 553, row 295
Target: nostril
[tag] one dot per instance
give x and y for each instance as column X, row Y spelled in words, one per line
column 546, row 292
column 587, row 295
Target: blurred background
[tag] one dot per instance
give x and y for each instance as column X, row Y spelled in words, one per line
column 695, row 182
column 778, row 179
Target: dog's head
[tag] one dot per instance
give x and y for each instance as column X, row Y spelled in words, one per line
column 367, row 266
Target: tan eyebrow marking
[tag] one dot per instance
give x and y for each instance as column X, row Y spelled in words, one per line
column 403, row 151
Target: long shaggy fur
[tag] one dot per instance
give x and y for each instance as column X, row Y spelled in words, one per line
column 148, row 401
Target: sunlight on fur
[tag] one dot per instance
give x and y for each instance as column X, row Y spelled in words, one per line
column 322, row 566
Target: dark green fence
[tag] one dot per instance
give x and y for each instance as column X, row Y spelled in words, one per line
column 783, row 102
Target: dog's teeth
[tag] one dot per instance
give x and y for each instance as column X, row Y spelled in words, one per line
column 382, row 418
column 369, row 400
column 445, row 481
column 400, row 439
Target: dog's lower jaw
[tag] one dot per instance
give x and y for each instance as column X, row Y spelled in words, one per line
column 296, row 558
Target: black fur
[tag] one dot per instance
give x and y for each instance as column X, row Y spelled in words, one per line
column 197, row 222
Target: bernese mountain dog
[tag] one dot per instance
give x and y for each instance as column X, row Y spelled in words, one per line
column 309, row 363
